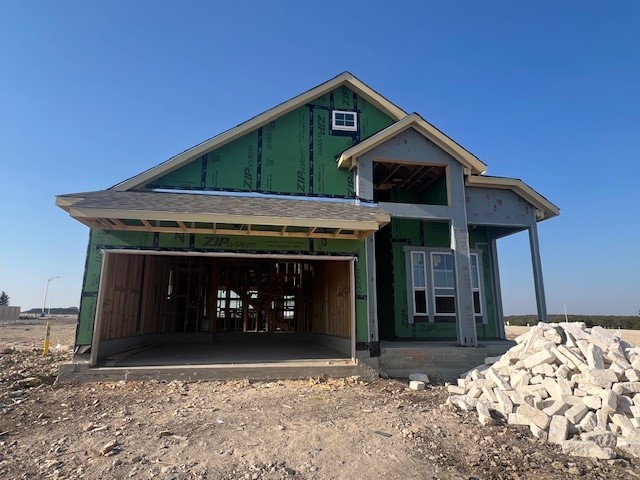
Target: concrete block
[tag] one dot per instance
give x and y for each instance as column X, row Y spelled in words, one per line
column 488, row 394
column 595, row 357
column 455, row 390
column 519, row 379
column 622, row 421
column 602, row 378
column 462, row 402
column 609, row 402
column 602, row 337
column 578, row 448
column 604, row 439
column 576, row 413
column 474, row 392
column 563, row 359
column 484, row 416
column 533, row 415
column 558, row 429
column 504, row 402
column 602, row 420
column 632, row 375
column 420, row 377
column 576, row 358
column 536, row 380
column 517, row 419
column 628, row 446
column 545, row 369
column 592, row 402
column 538, row 432
column 562, row 371
column 497, row 379
column 558, row 407
column 544, row 356
column 418, row 385
column 626, row 388
column 588, row 422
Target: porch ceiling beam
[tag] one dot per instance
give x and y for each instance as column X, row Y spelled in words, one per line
column 413, row 177
column 390, row 176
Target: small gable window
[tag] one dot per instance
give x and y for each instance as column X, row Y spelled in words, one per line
column 344, row 120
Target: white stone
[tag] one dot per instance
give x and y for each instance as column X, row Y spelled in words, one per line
column 520, row 379
column 538, row 432
column 420, row 377
column 635, row 411
column 588, row 423
column 418, row 385
column 628, row 446
column 578, row 448
column 452, row 389
column 595, row 357
column 575, row 413
column 601, row 337
column 498, row 380
column 626, row 388
column 474, row 392
column 536, row 380
column 632, row 375
column 563, row 359
column 484, row 416
column 517, row 419
column 543, row 356
column 505, row 403
column 602, row 420
column 622, row 421
column 558, row 429
column 463, row 402
column 575, row 358
column 609, row 402
column 488, row 394
column 562, row 371
column 604, row 439
column 602, row 378
column 558, row 407
column 592, row 402
column 533, row 415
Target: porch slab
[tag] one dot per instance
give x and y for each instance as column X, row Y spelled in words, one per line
column 439, row 359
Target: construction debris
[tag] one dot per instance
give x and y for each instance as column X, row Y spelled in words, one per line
column 573, row 386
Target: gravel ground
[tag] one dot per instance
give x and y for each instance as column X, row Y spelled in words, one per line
column 319, row 428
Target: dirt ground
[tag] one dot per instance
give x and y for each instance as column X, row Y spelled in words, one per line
column 313, row 429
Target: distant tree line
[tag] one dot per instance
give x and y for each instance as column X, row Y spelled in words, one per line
column 607, row 321
column 57, row 311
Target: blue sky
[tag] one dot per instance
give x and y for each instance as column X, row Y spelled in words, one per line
column 95, row 92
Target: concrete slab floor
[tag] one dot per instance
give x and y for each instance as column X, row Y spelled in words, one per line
column 272, row 349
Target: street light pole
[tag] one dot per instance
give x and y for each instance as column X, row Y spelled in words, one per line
column 44, row 304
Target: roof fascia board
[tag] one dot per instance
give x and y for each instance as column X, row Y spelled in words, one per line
column 470, row 161
column 520, row 188
column 260, row 120
column 82, row 213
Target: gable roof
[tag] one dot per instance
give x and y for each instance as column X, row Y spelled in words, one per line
column 545, row 208
column 344, row 79
column 348, row 158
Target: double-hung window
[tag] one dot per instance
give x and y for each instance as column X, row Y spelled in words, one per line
column 444, row 293
column 419, row 283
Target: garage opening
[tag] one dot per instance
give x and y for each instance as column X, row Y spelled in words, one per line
column 162, row 309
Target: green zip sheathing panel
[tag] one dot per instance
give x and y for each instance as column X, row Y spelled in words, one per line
column 393, row 314
column 100, row 240
column 294, row 154
column 434, row 194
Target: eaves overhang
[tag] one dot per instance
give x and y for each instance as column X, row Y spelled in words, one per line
column 223, row 214
column 544, row 208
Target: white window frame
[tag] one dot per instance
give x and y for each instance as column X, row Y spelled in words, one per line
column 344, row 128
column 434, row 287
column 415, row 289
column 479, row 288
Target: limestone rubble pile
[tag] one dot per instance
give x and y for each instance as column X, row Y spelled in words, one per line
column 574, row 386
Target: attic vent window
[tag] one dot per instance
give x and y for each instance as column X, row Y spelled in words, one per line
column 345, row 121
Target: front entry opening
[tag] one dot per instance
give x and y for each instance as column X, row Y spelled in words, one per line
column 240, row 306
